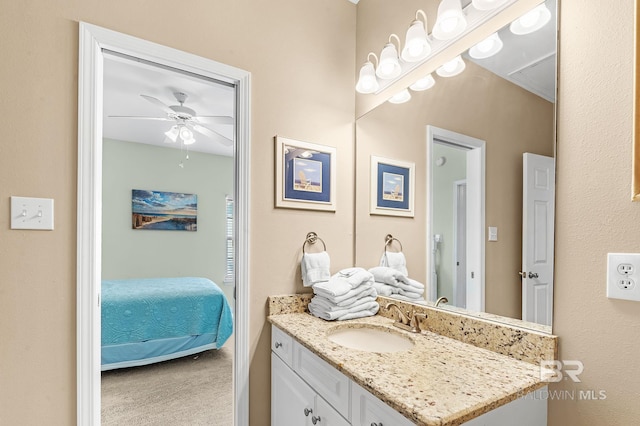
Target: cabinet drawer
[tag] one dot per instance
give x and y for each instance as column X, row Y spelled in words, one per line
column 282, row 345
column 368, row 410
column 331, row 384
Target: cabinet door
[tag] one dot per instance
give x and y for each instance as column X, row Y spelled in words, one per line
column 530, row 410
column 326, row 415
column 290, row 396
column 368, row 410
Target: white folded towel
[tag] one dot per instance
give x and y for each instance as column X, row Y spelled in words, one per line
column 343, row 282
column 395, row 261
column 350, row 297
column 315, row 268
column 387, row 275
column 366, row 309
column 326, row 305
column 383, row 289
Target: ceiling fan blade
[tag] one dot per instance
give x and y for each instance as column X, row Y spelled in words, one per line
column 158, row 103
column 214, row 119
column 212, row 134
column 138, row 117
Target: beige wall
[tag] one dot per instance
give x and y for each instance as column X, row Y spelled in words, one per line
column 301, row 56
column 475, row 103
column 594, row 212
column 37, row 269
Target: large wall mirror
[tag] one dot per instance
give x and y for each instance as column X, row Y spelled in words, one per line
column 507, row 103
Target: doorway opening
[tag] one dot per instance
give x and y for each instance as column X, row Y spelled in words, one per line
column 455, row 218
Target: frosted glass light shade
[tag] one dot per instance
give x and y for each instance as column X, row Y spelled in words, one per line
column 416, row 45
column 531, row 21
column 172, row 133
column 487, row 47
column 389, row 67
column 487, row 4
column 451, row 21
column 400, row 97
column 452, row 68
column 367, row 82
column 424, row 83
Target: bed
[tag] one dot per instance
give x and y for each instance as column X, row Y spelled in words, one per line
column 156, row 319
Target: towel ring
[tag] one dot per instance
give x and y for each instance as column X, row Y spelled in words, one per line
column 389, row 239
column 313, row 238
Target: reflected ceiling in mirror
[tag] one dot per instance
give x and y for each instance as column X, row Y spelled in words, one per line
column 510, row 118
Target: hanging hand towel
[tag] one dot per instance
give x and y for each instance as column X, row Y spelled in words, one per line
column 315, row 268
column 395, row 261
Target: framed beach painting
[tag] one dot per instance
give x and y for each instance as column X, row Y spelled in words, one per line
column 305, row 175
column 160, row 210
column 392, row 187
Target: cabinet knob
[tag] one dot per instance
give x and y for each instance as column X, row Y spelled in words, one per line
column 278, row 345
column 315, row 419
column 307, row 411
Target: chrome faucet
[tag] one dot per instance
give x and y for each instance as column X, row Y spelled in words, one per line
column 441, row 300
column 407, row 321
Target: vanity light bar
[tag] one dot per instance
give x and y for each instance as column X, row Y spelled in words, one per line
column 448, row 22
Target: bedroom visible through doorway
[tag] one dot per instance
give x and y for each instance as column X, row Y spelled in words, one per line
column 167, row 256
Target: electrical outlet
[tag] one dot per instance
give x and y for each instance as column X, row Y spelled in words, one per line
column 622, row 275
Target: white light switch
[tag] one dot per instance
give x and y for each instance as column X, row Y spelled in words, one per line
column 31, row 213
column 493, row 233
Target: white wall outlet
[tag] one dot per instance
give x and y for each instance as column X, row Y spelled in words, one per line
column 623, row 274
column 31, row 213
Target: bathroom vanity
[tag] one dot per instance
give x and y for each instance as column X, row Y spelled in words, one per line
column 435, row 380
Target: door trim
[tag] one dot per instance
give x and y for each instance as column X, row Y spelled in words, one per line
column 92, row 41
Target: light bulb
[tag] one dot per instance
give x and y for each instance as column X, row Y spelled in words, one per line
column 451, row 68
column 531, row 21
column 424, row 83
column 416, row 45
column 487, row 47
column 451, row 21
column 367, row 82
column 400, row 97
column 389, row 66
column 449, row 24
column 185, row 134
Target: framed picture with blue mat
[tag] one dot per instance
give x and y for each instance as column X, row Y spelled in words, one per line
column 305, row 175
column 392, row 187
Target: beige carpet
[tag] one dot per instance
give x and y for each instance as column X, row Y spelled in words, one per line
column 194, row 390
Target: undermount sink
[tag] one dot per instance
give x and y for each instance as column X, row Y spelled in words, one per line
column 371, row 339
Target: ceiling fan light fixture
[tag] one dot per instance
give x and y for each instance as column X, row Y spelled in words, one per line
column 451, row 21
column 487, row 47
column 172, row 133
column 531, row 21
column 189, row 141
column 185, row 134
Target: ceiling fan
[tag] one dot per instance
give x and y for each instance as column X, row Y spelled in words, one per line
column 186, row 121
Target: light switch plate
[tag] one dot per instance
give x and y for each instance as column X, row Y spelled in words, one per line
column 32, row 213
column 493, row 233
column 623, row 276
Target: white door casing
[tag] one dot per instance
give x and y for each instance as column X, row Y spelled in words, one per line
column 537, row 238
column 460, row 242
column 92, row 41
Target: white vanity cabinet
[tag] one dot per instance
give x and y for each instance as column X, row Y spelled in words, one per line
column 370, row 411
column 306, row 390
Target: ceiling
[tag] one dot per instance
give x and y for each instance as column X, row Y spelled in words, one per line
column 125, row 80
column 528, row 61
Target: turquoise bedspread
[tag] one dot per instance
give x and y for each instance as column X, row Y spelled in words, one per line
column 141, row 310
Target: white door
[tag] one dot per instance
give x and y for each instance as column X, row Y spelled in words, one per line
column 537, row 238
column 475, row 230
column 460, row 239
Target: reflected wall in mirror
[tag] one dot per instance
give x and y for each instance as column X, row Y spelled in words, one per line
column 513, row 115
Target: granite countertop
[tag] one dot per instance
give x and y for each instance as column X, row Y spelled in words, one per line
column 440, row 381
